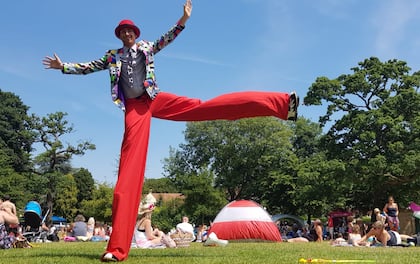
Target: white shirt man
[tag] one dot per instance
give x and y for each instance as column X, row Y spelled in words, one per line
column 186, row 227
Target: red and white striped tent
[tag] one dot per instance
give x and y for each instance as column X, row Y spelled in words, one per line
column 245, row 220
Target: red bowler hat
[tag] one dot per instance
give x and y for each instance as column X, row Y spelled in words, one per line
column 126, row 23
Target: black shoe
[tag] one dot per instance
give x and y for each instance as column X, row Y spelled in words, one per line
column 293, row 106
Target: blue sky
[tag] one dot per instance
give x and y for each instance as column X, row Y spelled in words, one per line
column 227, row 46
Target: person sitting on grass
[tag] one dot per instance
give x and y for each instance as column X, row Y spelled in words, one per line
column 186, row 228
column 339, row 241
column 78, row 229
column 145, row 236
column 355, row 235
column 378, row 216
column 99, row 233
column 7, row 217
column 7, row 203
column 201, row 233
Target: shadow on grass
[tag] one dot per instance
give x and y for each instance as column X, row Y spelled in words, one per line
column 86, row 254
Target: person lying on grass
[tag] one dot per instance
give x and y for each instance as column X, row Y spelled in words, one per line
column 314, row 235
column 382, row 236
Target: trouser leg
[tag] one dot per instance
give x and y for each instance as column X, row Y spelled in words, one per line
column 127, row 193
column 228, row 106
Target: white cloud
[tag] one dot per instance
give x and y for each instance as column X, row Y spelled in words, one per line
column 193, row 58
column 11, row 69
column 336, row 9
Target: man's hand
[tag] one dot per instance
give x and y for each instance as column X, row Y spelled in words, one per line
column 52, row 63
column 188, row 8
column 187, row 12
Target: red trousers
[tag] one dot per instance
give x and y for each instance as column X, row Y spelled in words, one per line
column 127, row 193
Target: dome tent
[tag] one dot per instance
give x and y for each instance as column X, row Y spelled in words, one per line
column 294, row 219
column 245, row 220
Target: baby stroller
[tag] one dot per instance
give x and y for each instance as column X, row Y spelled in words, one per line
column 32, row 229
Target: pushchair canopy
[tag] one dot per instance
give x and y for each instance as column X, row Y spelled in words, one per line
column 33, row 214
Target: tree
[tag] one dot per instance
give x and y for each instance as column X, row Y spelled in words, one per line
column 13, row 184
column 66, row 200
column 15, row 136
column 16, row 140
column 248, row 159
column 199, row 189
column 298, row 187
column 49, row 131
column 161, row 185
column 306, row 138
column 54, row 162
column 100, row 205
column 84, row 184
column 320, row 186
column 167, row 214
column 239, row 153
column 377, row 132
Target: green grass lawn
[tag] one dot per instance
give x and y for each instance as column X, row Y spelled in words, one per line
column 261, row 253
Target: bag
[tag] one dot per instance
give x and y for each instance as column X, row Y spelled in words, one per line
column 182, row 239
column 53, row 238
column 21, row 242
column 69, row 239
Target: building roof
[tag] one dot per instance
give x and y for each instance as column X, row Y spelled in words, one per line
column 168, row 196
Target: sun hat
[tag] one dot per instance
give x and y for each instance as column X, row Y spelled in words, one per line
column 126, row 23
column 147, row 204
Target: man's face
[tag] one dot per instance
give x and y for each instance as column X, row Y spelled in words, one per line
column 128, row 37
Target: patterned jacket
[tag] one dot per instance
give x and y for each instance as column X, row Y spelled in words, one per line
column 111, row 61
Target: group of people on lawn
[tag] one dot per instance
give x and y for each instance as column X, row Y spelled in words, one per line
column 382, row 231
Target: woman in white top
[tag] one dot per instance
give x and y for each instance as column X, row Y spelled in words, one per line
column 354, row 236
column 144, row 234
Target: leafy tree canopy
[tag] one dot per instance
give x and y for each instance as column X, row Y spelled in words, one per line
column 15, row 137
column 377, row 131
